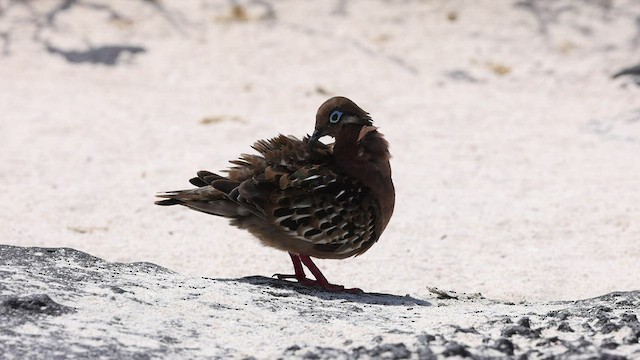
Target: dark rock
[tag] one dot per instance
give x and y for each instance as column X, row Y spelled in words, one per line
column 519, row 330
column 316, row 353
column 525, row 322
column 564, row 327
column 422, row 346
column 630, row 339
column 624, row 303
column 425, row 338
column 40, row 304
column 549, row 341
column 559, row 314
column 390, row 351
column 609, row 356
column 609, row 327
column 609, row 343
column 587, row 327
column 630, row 319
column 456, row 349
column 504, row 346
column 469, row 330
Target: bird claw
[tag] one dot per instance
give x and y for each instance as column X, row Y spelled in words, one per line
column 337, row 288
column 320, row 284
column 284, row 276
column 301, row 279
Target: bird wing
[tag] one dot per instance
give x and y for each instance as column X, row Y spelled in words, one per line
column 303, row 194
column 315, row 204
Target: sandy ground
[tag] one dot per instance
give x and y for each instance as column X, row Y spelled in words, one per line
column 516, row 157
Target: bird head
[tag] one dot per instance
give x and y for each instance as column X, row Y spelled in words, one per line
column 335, row 114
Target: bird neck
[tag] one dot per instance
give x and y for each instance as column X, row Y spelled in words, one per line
column 363, row 153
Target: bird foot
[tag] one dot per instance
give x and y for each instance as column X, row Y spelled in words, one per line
column 303, row 280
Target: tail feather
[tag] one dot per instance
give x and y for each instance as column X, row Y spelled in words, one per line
column 225, row 186
column 196, row 181
column 168, row 202
column 205, row 198
column 208, row 177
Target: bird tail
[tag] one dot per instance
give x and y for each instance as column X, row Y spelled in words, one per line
column 205, row 198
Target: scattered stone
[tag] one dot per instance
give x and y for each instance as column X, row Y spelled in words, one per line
column 525, row 322
column 519, row 330
column 504, row 346
column 609, row 327
column 609, row 343
column 565, row 327
column 456, row 349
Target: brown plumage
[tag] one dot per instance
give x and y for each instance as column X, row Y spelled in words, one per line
column 304, row 197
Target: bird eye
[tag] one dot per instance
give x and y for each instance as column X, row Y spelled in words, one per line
column 335, row 116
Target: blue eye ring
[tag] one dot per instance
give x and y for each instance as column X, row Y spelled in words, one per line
column 335, row 116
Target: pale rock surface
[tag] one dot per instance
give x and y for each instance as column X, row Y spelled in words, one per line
column 62, row 303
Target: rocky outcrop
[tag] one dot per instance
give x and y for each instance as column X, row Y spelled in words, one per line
column 57, row 303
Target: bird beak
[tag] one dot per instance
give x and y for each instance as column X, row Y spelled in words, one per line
column 314, row 138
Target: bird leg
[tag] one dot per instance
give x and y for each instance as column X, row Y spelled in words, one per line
column 320, row 280
column 297, row 268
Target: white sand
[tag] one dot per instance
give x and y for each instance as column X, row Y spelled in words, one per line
column 522, row 185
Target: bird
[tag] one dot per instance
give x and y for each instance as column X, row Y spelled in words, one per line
column 310, row 199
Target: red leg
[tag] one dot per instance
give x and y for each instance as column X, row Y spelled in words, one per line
column 320, row 281
column 298, row 272
column 297, row 267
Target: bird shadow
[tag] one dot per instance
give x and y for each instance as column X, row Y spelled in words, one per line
column 364, row 297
